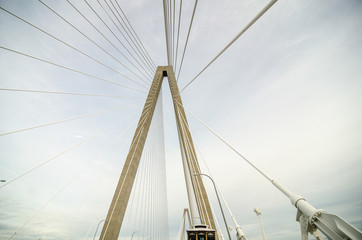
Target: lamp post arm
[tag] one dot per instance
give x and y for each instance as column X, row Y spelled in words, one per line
column 97, row 228
column 218, row 199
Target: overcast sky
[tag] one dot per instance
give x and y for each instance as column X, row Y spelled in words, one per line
column 287, row 94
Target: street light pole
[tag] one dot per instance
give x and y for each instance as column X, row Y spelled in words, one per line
column 218, row 199
column 97, row 228
column 257, row 211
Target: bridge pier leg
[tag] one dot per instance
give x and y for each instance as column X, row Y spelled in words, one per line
column 117, row 209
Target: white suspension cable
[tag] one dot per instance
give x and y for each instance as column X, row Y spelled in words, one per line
column 138, row 186
column 72, row 47
column 239, row 232
column 142, row 219
column 173, row 31
column 65, row 151
column 70, row 69
column 192, row 169
column 91, row 40
column 115, row 35
column 124, row 26
column 178, row 35
column 165, row 16
column 107, row 39
column 136, row 138
column 105, row 173
column 195, row 168
column 149, row 75
column 60, row 190
column 121, row 187
column 229, row 145
column 103, row 200
column 64, row 93
column 133, row 39
column 142, row 46
column 170, row 28
column 47, row 203
column 62, row 121
column 187, row 40
column 269, row 5
column 127, row 219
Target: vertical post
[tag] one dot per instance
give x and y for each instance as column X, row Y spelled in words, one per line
column 257, row 211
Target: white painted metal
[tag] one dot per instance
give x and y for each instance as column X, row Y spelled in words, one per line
column 334, row 227
column 331, row 225
column 257, row 211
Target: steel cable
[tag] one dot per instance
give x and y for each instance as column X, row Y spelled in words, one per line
column 220, row 193
column 173, row 32
column 70, row 69
column 61, row 189
column 64, row 93
column 232, row 148
column 62, row 121
column 178, row 35
column 165, row 16
column 96, row 44
column 195, row 168
column 187, row 39
column 143, row 47
column 63, row 152
column 170, row 27
column 269, row 5
column 125, row 28
column 132, row 38
column 105, row 173
column 136, row 142
column 74, row 48
column 105, row 24
column 105, row 11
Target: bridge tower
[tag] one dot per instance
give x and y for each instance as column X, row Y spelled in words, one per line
column 197, row 196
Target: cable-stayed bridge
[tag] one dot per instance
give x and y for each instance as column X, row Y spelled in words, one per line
column 75, row 77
